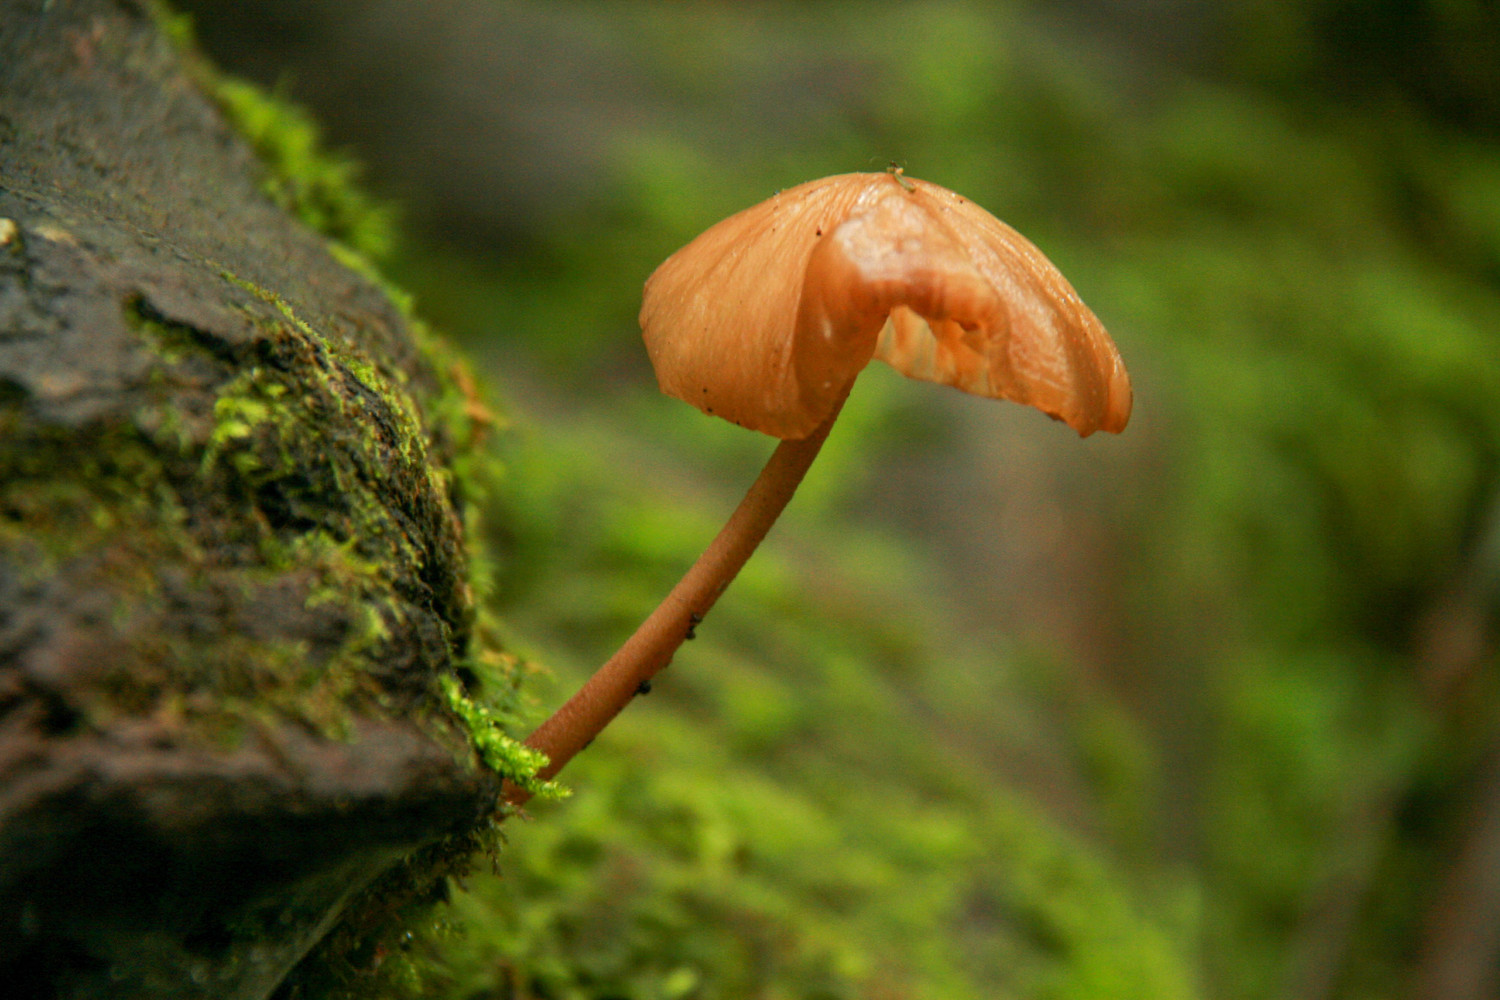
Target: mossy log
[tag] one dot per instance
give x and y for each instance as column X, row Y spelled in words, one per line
column 232, row 558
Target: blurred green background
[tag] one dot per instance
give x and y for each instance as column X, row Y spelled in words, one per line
column 1205, row 710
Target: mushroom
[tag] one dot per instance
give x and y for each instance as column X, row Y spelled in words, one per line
column 766, row 318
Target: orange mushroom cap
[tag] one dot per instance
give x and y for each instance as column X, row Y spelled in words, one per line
column 766, row 318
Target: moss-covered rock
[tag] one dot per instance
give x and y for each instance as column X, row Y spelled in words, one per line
column 236, row 619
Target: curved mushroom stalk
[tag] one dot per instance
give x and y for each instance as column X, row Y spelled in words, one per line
column 650, row 648
column 765, row 320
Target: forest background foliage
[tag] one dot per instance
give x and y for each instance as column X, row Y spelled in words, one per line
column 1205, row 710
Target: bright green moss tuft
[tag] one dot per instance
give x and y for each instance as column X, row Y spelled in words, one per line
column 504, row 754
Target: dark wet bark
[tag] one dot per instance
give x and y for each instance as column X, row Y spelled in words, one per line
column 230, row 561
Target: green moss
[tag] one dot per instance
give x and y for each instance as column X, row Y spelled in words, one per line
column 310, row 465
column 259, row 421
column 115, row 483
column 313, row 184
column 463, row 420
column 118, row 523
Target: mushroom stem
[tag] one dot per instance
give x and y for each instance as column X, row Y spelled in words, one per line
column 573, row 726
